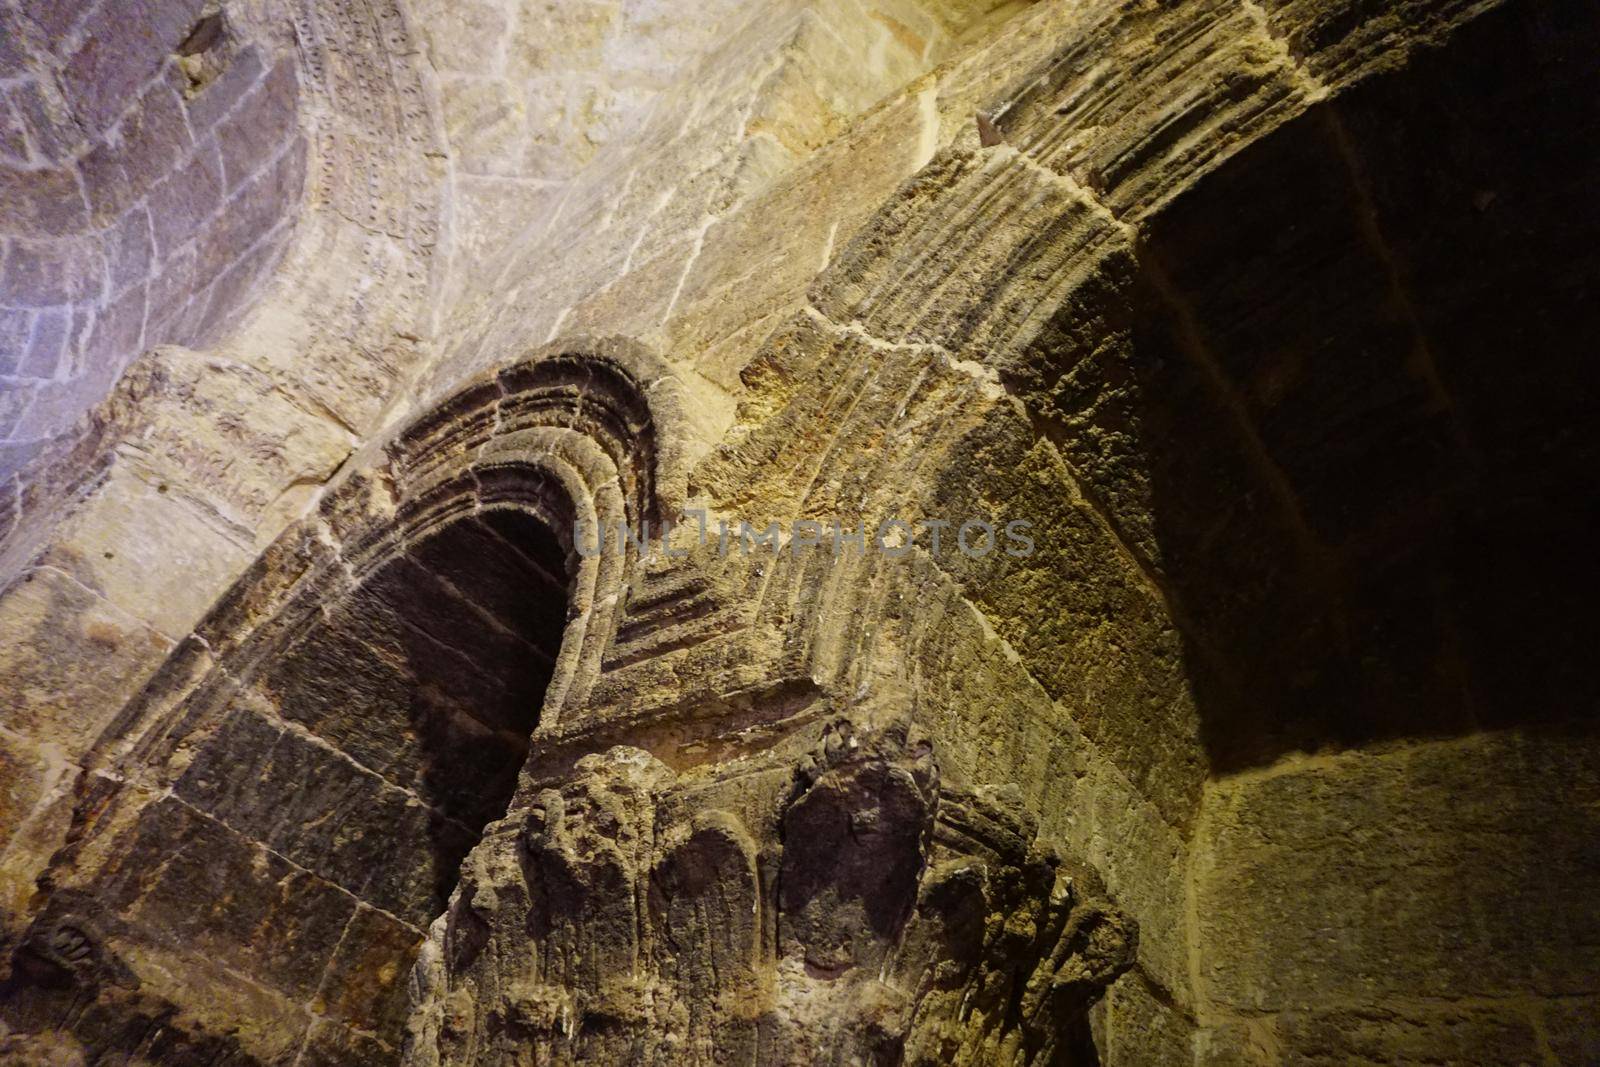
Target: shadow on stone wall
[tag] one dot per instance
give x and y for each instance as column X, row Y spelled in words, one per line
column 1360, row 401
column 315, row 821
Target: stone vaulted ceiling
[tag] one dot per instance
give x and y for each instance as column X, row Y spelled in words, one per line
column 328, row 326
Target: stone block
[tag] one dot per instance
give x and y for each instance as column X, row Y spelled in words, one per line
column 13, row 53
column 483, row 208
column 1146, row 100
column 13, row 135
column 995, row 724
column 255, row 208
column 171, row 284
column 154, row 138
column 1457, row 867
column 1140, row 1029
column 124, row 45
column 348, row 694
column 367, row 977
column 54, row 405
column 154, row 552
column 721, row 293
column 236, row 288
column 115, row 341
column 70, row 658
column 1247, row 1043
column 14, row 458
column 1087, row 623
column 308, row 802
column 15, row 400
column 105, row 184
column 560, row 36
column 331, row 1045
column 458, row 646
column 130, row 250
column 261, row 125
column 222, row 94
column 464, row 37
column 55, row 19
column 1469, row 1036
column 228, row 433
column 1571, row 1027
column 16, row 333
column 485, row 120
column 46, row 353
column 401, row 704
column 526, row 596
column 192, row 888
column 31, row 780
column 49, row 122
column 185, row 200
column 43, row 203
column 41, row 273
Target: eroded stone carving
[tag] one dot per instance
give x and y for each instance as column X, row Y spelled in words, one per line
column 830, row 903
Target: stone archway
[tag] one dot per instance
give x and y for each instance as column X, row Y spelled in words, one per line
column 269, row 828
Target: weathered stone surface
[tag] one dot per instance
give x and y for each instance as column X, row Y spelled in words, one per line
column 1138, row 1027
column 36, row 808
column 138, row 527
column 40, row 274
column 119, row 165
column 877, row 943
column 123, row 45
column 1387, row 892
column 323, row 740
column 365, row 983
column 70, row 657
column 292, row 923
column 1569, row 1029
column 1460, row 1035
column 259, row 126
column 273, row 786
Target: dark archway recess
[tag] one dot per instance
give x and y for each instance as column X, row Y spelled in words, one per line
column 431, row 675
column 321, row 821
column 510, row 575
column 1346, row 393
column 1399, row 293
column 265, row 833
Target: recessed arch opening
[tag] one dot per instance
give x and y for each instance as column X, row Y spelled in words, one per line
column 286, row 806
column 431, row 674
column 316, row 802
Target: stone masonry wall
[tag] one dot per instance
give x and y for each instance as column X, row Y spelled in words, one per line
column 152, row 166
column 1271, row 318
